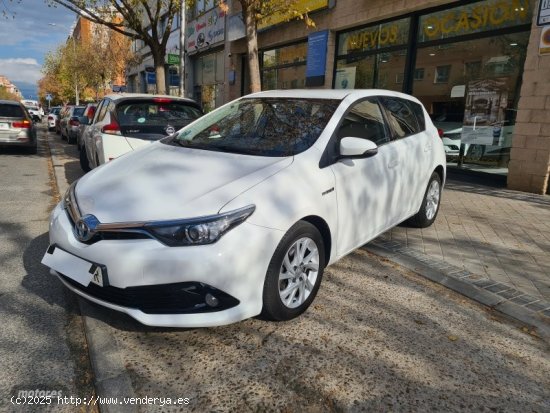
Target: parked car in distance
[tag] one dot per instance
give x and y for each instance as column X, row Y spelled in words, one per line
column 127, row 121
column 52, row 117
column 16, row 126
column 238, row 213
column 69, row 123
column 35, row 112
column 84, row 121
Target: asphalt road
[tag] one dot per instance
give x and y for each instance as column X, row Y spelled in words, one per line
column 42, row 343
column 378, row 338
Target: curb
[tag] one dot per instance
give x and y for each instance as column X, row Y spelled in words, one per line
column 498, row 296
column 111, row 380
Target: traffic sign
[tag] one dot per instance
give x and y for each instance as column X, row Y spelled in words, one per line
column 49, row 97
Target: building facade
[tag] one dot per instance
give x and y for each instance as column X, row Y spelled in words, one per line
column 480, row 67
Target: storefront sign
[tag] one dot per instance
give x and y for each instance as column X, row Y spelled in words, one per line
column 316, row 58
column 173, row 59
column 374, row 37
column 474, row 18
column 205, row 31
column 484, row 115
column 299, row 6
column 151, row 78
column 543, row 16
column 544, row 46
column 345, row 78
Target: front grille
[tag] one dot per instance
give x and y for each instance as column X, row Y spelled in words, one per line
column 176, row 298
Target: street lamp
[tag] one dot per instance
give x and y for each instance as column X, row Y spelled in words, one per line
column 74, row 62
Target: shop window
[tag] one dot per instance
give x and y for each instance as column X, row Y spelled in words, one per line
column 383, row 70
column 442, row 74
column 284, row 67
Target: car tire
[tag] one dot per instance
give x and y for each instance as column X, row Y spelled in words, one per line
column 291, row 283
column 84, row 163
column 430, row 204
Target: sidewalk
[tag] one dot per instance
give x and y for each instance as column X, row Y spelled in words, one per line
column 496, row 239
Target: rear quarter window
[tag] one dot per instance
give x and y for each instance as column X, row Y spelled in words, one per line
column 11, row 111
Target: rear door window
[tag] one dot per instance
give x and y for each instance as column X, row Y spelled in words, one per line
column 154, row 119
column 11, row 111
column 401, row 118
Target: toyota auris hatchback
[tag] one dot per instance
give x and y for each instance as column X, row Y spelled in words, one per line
column 238, row 213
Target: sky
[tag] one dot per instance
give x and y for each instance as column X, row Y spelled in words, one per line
column 26, row 36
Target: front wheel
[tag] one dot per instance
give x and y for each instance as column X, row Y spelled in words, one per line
column 430, row 204
column 294, row 273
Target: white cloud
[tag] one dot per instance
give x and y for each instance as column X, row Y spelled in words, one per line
column 21, row 69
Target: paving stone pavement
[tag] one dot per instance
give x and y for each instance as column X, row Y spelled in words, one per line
column 501, row 236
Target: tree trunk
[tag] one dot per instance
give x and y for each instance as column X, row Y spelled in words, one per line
column 158, row 61
column 252, row 48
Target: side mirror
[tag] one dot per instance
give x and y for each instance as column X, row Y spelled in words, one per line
column 84, row 120
column 357, row 148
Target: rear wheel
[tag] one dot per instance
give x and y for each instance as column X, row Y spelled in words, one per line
column 294, row 273
column 430, row 204
column 84, row 163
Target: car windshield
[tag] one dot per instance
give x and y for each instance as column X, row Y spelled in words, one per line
column 78, row 111
column 11, row 111
column 156, row 113
column 260, row 126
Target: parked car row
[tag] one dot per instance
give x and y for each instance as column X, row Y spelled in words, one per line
column 238, row 212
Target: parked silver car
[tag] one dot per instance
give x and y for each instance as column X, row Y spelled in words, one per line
column 69, row 123
column 16, row 126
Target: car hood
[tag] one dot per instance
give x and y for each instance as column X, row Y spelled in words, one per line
column 160, row 182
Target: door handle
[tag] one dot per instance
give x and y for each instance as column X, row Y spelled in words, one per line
column 393, row 163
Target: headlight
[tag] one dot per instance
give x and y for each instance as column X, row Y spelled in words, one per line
column 198, row 231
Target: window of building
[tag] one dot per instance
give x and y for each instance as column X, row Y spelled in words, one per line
column 419, row 74
column 442, row 74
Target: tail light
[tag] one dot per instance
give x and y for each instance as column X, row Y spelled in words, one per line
column 24, row 124
column 74, row 122
column 112, row 128
column 50, row 117
column 440, row 132
column 162, row 100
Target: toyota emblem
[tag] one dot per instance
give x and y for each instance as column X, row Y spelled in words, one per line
column 170, row 130
column 85, row 228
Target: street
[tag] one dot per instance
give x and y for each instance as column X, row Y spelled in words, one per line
column 378, row 337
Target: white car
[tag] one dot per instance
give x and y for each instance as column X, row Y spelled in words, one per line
column 126, row 121
column 52, row 117
column 35, row 112
column 239, row 213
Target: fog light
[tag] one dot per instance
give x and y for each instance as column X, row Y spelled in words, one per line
column 211, row 300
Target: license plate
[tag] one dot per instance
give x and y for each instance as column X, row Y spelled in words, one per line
column 4, row 125
column 82, row 271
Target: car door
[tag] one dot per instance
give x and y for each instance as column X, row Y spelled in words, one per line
column 365, row 188
column 408, row 127
column 93, row 133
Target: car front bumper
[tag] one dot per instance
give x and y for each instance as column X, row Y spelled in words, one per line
column 232, row 269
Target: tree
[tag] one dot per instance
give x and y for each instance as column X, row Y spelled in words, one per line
column 255, row 11
column 7, row 95
column 147, row 20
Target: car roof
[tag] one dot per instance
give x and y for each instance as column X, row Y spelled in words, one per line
column 339, row 94
column 12, row 102
column 121, row 96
